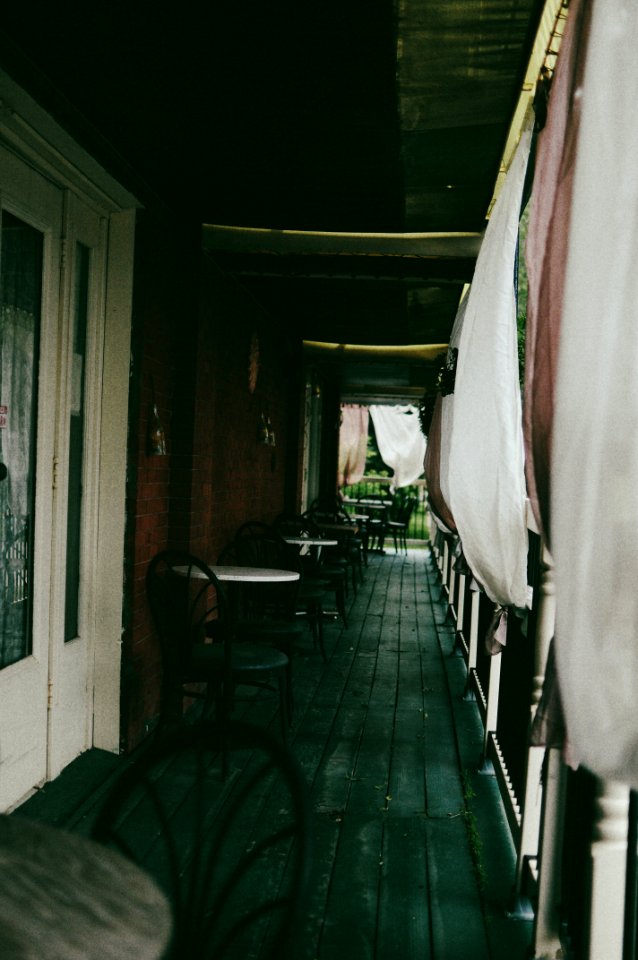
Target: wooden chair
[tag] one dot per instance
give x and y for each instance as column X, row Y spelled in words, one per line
column 333, row 520
column 398, row 526
column 317, row 568
column 268, row 549
column 201, row 657
column 265, row 613
column 237, row 882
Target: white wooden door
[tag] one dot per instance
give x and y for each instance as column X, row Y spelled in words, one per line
column 54, row 483
column 31, row 210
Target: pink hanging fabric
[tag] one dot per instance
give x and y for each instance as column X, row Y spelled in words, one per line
column 353, row 443
column 546, row 257
column 432, row 469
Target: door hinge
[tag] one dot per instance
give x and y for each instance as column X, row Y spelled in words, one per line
column 56, row 464
column 49, row 694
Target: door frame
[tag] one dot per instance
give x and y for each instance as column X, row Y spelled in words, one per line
column 33, row 136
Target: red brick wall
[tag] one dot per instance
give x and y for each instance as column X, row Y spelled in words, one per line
column 234, row 477
column 192, row 333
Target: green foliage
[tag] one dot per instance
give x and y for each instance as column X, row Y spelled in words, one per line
column 521, row 297
column 474, row 837
column 374, row 464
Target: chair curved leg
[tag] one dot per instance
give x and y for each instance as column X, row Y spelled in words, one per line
column 340, row 597
column 284, row 716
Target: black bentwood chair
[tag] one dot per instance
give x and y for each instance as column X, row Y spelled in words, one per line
column 269, row 549
column 198, row 644
column 234, row 867
column 398, row 525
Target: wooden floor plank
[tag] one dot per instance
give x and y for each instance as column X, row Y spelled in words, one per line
column 407, row 781
column 455, row 905
column 386, row 744
column 351, row 913
column 404, row 909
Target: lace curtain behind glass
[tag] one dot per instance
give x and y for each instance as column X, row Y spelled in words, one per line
column 20, row 295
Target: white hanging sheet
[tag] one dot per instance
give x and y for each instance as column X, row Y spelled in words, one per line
column 353, row 443
column 400, row 441
column 485, row 473
column 594, row 498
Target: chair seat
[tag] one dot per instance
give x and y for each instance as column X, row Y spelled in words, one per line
column 189, row 604
column 310, row 591
column 288, row 629
column 246, row 657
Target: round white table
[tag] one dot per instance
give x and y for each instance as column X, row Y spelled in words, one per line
column 239, row 574
column 65, row 897
column 305, row 544
column 311, row 541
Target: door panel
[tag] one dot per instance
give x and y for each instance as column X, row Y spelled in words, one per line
column 77, row 486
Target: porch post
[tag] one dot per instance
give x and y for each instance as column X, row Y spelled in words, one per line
column 533, row 792
column 445, row 560
column 491, row 712
column 452, row 586
column 546, row 943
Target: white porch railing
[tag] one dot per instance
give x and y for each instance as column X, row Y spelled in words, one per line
column 534, row 780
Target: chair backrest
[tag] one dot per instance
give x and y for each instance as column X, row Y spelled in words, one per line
column 269, row 550
column 301, row 525
column 188, row 605
column 407, row 509
column 254, row 528
column 328, row 510
column 235, row 871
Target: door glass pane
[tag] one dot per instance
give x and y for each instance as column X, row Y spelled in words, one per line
column 21, row 251
column 76, row 442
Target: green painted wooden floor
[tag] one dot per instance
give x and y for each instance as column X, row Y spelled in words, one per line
column 412, row 852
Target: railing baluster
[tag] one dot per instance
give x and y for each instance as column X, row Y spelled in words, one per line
column 460, row 607
column 472, row 643
column 607, row 864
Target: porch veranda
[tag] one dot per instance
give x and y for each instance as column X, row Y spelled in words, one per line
column 413, row 856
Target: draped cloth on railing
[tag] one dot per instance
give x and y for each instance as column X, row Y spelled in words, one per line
column 486, row 472
column 432, row 470
column 594, row 499
column 353, row 443
column 546, row 255
column 400, row 441
column 447, row 405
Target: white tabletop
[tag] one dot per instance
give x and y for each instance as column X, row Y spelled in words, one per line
column 239, row 574
column 312, row 541
column 65, row 897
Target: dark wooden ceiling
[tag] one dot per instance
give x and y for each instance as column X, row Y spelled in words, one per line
column 363, row 116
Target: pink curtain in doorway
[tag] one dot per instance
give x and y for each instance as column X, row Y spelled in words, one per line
column 353, row 443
